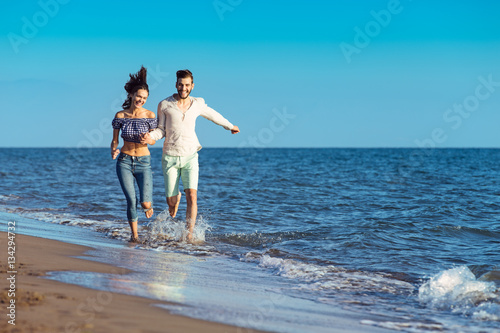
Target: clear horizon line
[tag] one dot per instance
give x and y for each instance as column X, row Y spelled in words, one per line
column 294, row 147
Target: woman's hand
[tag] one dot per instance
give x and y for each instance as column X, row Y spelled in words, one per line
column 115, row 152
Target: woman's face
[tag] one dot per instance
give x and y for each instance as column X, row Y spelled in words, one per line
column 139, row 98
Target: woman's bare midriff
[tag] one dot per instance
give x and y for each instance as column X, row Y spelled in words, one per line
column 135, row 149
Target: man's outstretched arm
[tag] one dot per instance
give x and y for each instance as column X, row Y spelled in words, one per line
column 214, row 116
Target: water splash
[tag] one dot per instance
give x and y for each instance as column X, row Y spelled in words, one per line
column 165, row 228
column 458, row 290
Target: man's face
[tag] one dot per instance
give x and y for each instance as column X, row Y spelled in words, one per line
column 184, row 87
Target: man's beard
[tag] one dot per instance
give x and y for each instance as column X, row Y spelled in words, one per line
column 180, row 95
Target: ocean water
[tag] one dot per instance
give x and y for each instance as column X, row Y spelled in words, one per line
column 393, row 239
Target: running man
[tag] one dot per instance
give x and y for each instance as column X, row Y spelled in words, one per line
column 176, row 123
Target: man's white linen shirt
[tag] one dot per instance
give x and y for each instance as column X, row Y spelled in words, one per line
column 178, row 127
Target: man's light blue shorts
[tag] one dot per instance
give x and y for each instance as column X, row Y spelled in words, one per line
column 177, row 167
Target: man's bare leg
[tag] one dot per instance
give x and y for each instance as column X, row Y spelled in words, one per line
column 191, row 211
column 173, row 204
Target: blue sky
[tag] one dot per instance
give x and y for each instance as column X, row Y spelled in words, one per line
column 288, row 73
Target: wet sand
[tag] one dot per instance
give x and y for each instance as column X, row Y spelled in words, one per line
column 43, row 305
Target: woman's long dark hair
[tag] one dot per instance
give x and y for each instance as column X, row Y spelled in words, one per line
column 137, row 81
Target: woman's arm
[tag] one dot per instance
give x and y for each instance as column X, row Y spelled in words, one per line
column 114, row 143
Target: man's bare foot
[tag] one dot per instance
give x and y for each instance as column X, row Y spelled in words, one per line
column 189, row 237
column 190, row 231
column 173, row 211
column 191, row 240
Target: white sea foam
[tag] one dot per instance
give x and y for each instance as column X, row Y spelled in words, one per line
column 8, row 197
column 458, row 290
column 405, row 326
column 53, row 216
column 294, row 269
column 329, row 278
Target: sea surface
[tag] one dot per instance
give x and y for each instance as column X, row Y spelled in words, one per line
column 290, row 239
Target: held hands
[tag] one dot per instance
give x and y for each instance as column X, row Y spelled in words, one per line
column 146, row 139
column 235, row 129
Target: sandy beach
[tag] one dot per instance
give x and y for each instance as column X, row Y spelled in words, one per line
column 43, row 305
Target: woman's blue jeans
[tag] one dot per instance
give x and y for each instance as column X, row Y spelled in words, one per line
column 129, row 168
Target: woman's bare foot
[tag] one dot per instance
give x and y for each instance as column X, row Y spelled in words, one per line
column 149, row 212
column 134, row 238
column 148, row 209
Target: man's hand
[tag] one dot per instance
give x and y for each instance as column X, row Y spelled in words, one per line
column 115, row 152
column 235, row 129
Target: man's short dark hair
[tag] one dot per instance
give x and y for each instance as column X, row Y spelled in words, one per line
column 184, row 73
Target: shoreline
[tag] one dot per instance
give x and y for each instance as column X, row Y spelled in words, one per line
column 45, row 305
